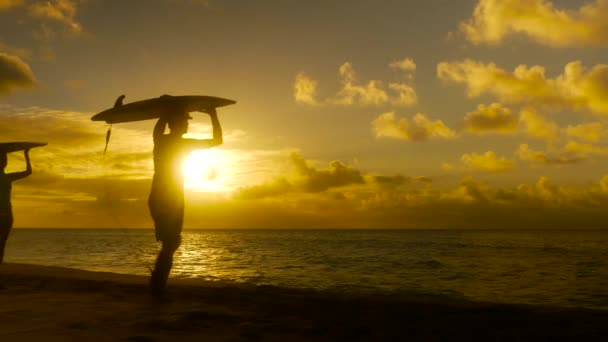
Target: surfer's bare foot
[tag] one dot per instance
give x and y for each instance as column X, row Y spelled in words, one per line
column 157, row 286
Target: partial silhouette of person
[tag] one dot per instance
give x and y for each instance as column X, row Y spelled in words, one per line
column 6, row 185
column 166, row 201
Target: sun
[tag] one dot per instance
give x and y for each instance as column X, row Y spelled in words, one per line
column 203, row 171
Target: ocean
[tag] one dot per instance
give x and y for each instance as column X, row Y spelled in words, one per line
column 558, row 268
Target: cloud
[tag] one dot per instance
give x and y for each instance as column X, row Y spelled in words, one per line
column 406, row 64
column 419, row 129
column 6, row 4
column 332, row 196
column 352, row 92
column 424, row 180
column 396, row 202
column 62, row 11
column 316, row 180
column 590, row 132
column 540, row 20
column 487, row 162
column 306, row 179
column 537, row 126
column 447, row 167
column 561, row 158
column 75, row 143
column 575, row 89
column 491, row 119
column 18, row 52
column 406, row 94
column 14, row 73
column 389, row 182
column 273, row 188
column 305, row 89
column 62, row 128
column 585, row 149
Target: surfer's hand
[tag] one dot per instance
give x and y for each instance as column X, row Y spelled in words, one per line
column 165, row 115
column 26, row 152
column 211, row 111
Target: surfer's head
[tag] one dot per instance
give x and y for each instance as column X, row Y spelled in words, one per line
column 3, row 161
column 178, row 123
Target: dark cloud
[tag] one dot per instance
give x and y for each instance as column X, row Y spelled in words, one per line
column 307, row 179
column 14, row 73
column 390, row 181
column 424, row 180
column 316, row 180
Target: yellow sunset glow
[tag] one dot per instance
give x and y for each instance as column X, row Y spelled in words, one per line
column 203, row 171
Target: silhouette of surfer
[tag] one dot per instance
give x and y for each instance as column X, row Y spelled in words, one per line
column 166, row 199
column 6, row 209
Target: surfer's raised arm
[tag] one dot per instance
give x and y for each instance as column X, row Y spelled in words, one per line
column 159, row 129
column 218, row 137
column 28, row 168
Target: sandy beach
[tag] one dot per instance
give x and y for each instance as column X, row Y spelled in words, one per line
column 40, row 303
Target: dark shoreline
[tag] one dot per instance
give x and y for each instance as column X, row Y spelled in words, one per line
column 54, row 303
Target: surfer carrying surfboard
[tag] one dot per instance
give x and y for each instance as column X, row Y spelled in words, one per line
column 166, row 201
column 6, row 209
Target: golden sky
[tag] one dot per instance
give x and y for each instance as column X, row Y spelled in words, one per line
column 349, row 114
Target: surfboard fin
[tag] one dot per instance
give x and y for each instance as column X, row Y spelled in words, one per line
column 118, row 102
column 108, row 134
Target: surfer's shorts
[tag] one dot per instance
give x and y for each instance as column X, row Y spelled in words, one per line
column 168, row 221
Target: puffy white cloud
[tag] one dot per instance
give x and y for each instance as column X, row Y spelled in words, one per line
column 487, row 162
column 353, row 92
column 418, row 129
column 305, row 89
column 575, row 89
column 537, row 126
column 491, row 119
column 14, row 73
column 541, row 20
column 406, row 94
column 406, row 65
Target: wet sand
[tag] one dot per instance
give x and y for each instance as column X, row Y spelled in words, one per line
column 40, row 303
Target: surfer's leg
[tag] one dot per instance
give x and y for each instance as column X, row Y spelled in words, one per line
column 164, row 262
column 168, row 230
column 6, row 223
column 168, row 227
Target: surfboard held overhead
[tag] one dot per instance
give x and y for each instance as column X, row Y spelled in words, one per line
column 152, row 108
column 14, row 146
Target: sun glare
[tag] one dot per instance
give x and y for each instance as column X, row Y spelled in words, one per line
column 204, row 171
